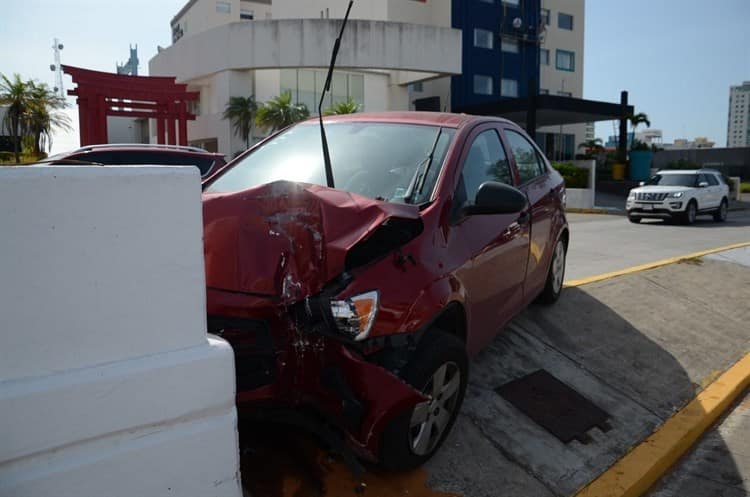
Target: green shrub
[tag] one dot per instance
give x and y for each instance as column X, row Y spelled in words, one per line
column 574, row 177
column 6, row 156
column 745, row 187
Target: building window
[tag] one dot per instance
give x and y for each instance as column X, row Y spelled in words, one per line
column 509, row 88
column 509, row 46
column 544, row 56
column 543, row 91
column 417, row 87
column 545, row 17
column 565, row 60
column 247, row 15
column 564, row 21
column 306, row 85
column 483, row 38
column 483, row 85
column 223, row 7
column 565, row 93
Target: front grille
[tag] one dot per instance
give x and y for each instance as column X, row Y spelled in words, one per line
column 651, row 197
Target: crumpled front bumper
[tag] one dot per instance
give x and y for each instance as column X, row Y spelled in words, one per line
column 282, row 362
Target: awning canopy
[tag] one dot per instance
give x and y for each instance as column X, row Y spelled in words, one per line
column 551, row 110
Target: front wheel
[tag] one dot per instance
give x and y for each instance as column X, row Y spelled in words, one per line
column 439, row 369
column 690, row 213
column 555, row 275
column 634, row 219
column 721, row 214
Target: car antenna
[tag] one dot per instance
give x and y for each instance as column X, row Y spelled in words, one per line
column 327, row 88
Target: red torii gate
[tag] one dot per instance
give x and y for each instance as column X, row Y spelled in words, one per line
column 102, row 94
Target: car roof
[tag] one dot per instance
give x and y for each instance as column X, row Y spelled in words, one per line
column 443, row 119
column 141, row 147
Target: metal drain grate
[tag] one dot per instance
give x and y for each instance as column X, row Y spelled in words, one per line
column 555, row 406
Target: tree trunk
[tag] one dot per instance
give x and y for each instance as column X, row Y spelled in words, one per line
column 16, row 140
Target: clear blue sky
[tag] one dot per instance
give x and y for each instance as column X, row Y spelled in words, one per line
column 677, row 58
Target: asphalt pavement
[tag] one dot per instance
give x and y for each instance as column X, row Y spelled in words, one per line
column 604, row 243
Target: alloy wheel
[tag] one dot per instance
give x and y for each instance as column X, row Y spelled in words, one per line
column 558, row 266
column 430, row 419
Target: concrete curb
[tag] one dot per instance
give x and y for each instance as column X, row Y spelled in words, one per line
column 651, row 265
column 645, row 464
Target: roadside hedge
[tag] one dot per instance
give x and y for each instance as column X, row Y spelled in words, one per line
column 574, row 177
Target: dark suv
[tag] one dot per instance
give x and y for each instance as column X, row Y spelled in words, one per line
column 117, row 154
column 360, row 305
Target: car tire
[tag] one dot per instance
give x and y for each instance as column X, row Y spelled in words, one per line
column 691, row 212
column 721, row 213
column 555, row 275
column 634, row 219
column 415, row 435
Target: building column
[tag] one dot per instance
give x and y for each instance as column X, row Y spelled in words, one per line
column 171, row 138
column 182, row 122
column 622, row 146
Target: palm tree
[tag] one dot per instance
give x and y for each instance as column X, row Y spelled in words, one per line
column 240, row 111
column 43, row 116
column 636, row 120
column 280, row 112
column 349, row 106
column 15, row 94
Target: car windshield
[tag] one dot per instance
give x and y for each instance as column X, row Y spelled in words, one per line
column 377, row 160
column 673, row 180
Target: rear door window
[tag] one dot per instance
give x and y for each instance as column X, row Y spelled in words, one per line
column 527, row 160
column 712, row 181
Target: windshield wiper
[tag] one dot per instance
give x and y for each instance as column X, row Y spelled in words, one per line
column 327, row 88
column 420, row 177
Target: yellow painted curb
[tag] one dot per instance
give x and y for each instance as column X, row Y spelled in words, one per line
column 651, row 265
column 576, row 210
column 644, row 465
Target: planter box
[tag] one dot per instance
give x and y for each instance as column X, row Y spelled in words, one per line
column 583, row 198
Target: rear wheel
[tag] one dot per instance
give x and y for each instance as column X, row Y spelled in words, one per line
column 721, row 213
column 439, row 369
column 634, row 219
column 691, row 211
column 555, row 275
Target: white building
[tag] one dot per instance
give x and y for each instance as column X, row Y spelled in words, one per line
column 561, row 68
column 394, row 52
column 738, row 126
column 241, row 48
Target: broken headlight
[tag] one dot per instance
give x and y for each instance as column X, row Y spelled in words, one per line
column 355, row 315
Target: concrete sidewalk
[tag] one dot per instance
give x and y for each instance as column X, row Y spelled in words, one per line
column 639, row 346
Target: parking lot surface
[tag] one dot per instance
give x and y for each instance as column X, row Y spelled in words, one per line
column 638, row 346
column 604, row 243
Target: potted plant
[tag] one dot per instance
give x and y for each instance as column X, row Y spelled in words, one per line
column 640, row 160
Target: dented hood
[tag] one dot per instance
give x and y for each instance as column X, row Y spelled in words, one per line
column 286, row 240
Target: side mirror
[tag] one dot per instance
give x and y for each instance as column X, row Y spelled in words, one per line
column 702, row 184
column 497, row 198
column 641, row 183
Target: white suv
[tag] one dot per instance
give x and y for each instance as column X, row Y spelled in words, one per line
column 680, row 194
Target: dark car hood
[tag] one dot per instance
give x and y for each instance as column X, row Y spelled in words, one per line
column 287, row 240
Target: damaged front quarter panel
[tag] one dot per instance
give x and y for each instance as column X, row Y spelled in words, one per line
column 290, row 248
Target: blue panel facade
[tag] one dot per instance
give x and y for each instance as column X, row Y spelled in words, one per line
column 496, row 16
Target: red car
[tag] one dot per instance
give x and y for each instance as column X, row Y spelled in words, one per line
column 359, row 306
column 130, row 154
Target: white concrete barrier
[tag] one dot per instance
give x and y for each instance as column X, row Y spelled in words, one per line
column 109, row 384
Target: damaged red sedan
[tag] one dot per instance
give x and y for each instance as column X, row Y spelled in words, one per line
column 356, row 308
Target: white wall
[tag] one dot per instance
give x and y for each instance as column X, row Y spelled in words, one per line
column 202, row 15
column 123, row 129
column 311, row 9
column 108, row 382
